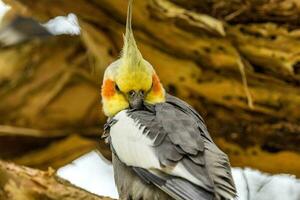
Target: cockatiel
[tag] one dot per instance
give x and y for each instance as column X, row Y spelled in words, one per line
column 161, row 147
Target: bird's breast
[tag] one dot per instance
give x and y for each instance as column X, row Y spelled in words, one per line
column 131, row 144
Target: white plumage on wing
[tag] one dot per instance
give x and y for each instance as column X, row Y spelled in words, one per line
column 131, row 145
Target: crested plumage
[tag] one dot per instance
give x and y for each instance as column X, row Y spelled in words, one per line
column 161, row 147
column 130, row 53
column 131, row 72
column 134, row 68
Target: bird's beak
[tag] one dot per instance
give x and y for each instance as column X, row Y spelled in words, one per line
column 136, row 100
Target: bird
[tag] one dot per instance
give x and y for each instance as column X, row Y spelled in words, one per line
column 161, row 148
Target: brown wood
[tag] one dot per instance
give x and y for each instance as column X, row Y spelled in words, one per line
column 46, row 92
column 58, row 153
column 241, row 11
column 22, row 183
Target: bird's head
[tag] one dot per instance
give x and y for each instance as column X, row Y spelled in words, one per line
column 131, row 80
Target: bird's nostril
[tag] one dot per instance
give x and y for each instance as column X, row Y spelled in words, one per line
column 131, row 93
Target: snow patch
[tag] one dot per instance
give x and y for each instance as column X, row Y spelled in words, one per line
column 63, row 25
column 91, row 172
column 3, row 9
column 255, row 185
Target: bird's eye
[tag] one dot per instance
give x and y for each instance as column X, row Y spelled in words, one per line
column 131, row 93
column 117, row 88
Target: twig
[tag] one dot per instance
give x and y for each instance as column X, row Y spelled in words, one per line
column 245, row 83
column 247, row 185
column 263, row 184
column 236, row 13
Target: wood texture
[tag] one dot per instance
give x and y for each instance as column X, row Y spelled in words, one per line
column 58, row 153
column 22, row 183
column 47, row 95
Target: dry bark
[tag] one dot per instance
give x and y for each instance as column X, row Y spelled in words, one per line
column 22, row 183
column 207, row 53
column 244, row 11
column 37, row 79
column 47, row 95
column 58, row 153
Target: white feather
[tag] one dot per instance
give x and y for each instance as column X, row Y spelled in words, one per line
column 132, row 146
column 181, row 171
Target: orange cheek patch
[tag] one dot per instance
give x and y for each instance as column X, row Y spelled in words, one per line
column 108, row 88
column 156, row 84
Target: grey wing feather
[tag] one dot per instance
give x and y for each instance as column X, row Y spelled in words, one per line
column 175, row 187
column 181, row 140
column 175, row 123
column 218, row 165
column 183, row 106
column 216, row 161
column 180, row 136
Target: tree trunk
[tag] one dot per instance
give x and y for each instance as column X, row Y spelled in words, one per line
column 22, row 183
column 236, row 62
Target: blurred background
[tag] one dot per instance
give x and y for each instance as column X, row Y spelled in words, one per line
column 236, row 61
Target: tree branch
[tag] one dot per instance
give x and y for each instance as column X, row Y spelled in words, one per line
column 22, row 183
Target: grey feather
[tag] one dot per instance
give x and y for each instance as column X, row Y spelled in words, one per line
column 176, row 187
column 181, row 129
column 183, row 106
column 180, row 136
column 132, row 186
column 184, row 138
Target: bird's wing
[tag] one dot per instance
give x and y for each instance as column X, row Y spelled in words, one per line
column 175, row 187
column 217, row 162
column 184, row 107
column 169, row 145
